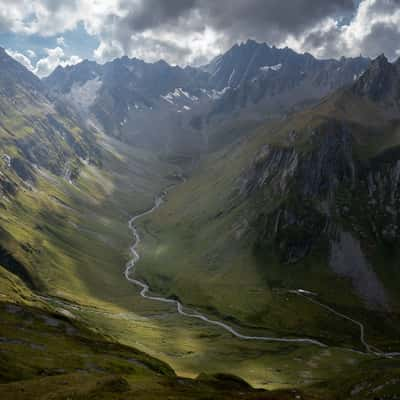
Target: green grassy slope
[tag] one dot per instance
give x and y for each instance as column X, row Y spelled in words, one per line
column 200, row 246
column 203, row 246
column 47, row 355
column 74, row 239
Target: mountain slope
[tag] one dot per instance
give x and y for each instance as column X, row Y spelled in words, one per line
column 34, row 129
column 64, row 235
column 63, row 242
column 37, row 136
column 308, row 203
column 46, row 354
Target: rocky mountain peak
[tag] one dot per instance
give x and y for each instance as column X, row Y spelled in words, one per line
column 380, row 82
column 380, row 60
column 379, row 66
column 63, row 78
column 251, row 43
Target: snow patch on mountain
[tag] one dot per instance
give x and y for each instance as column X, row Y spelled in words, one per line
column 180, row 94
column 357, row 76
column 215, row 94
column 267, row 68
column 187, row 95
column 168, row 98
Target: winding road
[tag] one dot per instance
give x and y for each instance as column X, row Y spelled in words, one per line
column 145, row 289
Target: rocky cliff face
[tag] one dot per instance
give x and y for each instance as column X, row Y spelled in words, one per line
column 255, row 62
column 325, row 194
column 382, row 193
column 314, row 173
column 259, row 80
column 327, row 199
column 273, row 167
column 381, row 82
column 304, row 184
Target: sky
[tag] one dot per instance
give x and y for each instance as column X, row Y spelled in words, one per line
column 42, row 34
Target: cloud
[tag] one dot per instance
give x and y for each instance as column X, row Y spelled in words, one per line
column 21, row 58
column 54, row 58
column 176, row 47
column 193, row 31
column 374, row 29
column 108, row 50
column 47, row 64
column 51, row 17
column 247, row 17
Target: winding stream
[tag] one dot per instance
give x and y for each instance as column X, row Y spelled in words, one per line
column 145, row 289
column 129, row 275
column 369, row 348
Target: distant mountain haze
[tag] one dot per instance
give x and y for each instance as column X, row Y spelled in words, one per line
column 173, row 107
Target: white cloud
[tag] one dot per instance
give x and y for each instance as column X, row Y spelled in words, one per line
column 371, row 29
column 108, row 50
column 175, row 47
column 54, row 58
column 21, row 58
column 46, row 65
column 194, row 31
column 52, row 17
column 184, row 32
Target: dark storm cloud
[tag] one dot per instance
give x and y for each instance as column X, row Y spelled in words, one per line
column 194, row 31
column 382, row 39
column 237, row 17
column 280, row 16
column 233, row 20
column 153, row 13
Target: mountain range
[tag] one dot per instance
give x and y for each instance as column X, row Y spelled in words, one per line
column 252, row 81
column 277, row 184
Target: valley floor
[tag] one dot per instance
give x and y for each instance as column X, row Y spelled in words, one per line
column 82, row 277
